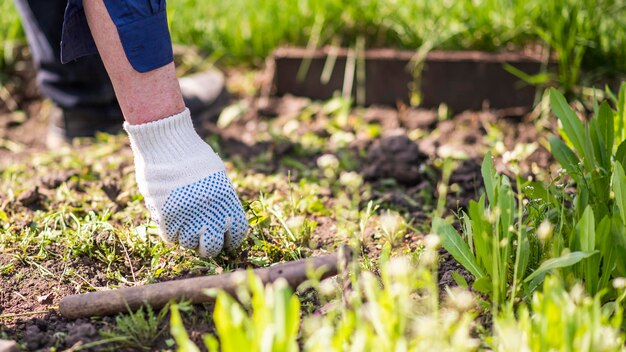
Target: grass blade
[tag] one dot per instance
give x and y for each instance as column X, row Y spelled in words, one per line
column 619, row 189
column 524, row 256
column 459, row 279
column 179, row 333
column 563, row 261
column 566, row 157
column 620, row 155
column 586, row 231
column 573, row 128
column 621, row 115
column 607, row 250
column 454, row 244
column 489, row 177
column 606, row 126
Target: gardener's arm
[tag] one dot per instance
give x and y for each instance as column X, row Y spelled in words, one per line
column 183, row 181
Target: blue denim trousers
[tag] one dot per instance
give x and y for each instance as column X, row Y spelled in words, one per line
column 57, row 32
column 141, row 25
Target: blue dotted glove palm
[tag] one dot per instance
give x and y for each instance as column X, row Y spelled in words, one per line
column 206, row 215
column 186, row 187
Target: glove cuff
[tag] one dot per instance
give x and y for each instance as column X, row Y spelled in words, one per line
column 165, row 140
column 169, row 154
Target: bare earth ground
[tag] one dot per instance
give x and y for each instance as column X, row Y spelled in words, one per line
column 398, row 153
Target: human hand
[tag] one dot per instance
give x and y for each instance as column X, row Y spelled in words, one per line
column 205, row 214
column 185, row 186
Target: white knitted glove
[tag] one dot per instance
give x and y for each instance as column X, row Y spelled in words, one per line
column 185, row 186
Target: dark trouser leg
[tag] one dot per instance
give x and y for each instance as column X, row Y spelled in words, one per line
column 83, row 84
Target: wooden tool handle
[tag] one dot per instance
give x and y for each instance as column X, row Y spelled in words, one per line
column 157, row 295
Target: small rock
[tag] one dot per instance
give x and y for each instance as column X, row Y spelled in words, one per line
column 45, row 299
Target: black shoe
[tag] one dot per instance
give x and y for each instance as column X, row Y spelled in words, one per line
column 204, row 94
column 67, row 124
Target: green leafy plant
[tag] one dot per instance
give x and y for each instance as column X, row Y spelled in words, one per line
column 487, row 247
column 136, row 330
column 558, row 320
column 499, row 247
column 267, row 319
column 595, row 165
column 272, row 325
column 400, row 310
column 595, row 152
column 502, row 244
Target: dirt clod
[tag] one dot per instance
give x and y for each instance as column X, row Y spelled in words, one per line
column 395, row 157
column 35, row 338
column 111, row 189
column 55, row 179
column 80, row 332
column 31, row 198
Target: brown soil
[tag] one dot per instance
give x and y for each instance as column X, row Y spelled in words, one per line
column 28, row 290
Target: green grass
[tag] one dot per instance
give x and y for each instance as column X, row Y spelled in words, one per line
column 12, row 32
column 137, row 330
column 509, row 249
column 558, row 320
column 11, row 36
column 588, row 34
